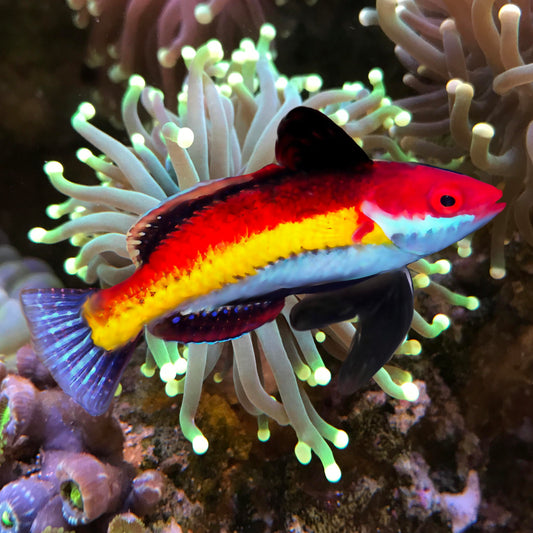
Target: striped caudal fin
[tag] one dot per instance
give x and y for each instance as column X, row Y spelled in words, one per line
column 62, row 340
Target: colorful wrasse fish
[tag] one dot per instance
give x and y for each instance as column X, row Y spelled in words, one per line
column 216, row 261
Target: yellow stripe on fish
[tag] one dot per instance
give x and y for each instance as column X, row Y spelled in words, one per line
column 122, row 318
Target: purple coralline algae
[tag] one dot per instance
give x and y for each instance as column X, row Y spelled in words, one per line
column 423, row 499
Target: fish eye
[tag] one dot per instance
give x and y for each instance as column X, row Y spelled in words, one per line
column 445, row 200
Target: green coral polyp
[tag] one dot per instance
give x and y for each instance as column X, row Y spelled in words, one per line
column 7, row 520
column 5, row 417
column 71, row 492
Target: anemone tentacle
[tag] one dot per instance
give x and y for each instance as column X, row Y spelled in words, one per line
column 472, row 69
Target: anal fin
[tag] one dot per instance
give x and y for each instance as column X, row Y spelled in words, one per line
column 220, row 324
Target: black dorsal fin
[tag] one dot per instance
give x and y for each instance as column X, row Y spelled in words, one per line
column 309, row 140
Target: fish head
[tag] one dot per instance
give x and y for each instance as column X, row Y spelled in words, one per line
column 424, row 209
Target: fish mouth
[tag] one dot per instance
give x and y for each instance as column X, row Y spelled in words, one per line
column 490, row 204
column 491, row 211
column 484, row 214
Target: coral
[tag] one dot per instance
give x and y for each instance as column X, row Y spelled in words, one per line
column 89, row 488
column 470, row 64
column 23, row 430
column 16, row 274
column 51, row 420
column 146, row 37
column 227, row 117
column 424, row 499
column 30, row 366
column 50, row 515
column 126, row 523
column 79, row 476
column 172, row 528
column 407, row 414
column 373, row 474
column 146, row 492
column 20, row 502
column 462, row 508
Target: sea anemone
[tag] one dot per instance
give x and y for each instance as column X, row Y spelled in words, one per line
column 16, row 274
column 146, row 37
column 226, row 122
column 471, row 65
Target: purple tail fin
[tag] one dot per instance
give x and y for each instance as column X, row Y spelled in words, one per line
column 62, row 339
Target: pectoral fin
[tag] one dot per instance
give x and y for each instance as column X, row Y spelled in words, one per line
column 384, row 307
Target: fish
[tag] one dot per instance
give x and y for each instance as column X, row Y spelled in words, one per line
column 218, row 260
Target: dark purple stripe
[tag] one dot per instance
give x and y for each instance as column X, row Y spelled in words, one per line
column 224, row 323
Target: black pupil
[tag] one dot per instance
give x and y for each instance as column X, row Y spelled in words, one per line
column 447, row 201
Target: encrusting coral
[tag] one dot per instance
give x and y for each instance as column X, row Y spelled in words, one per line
column 471, row 65
column 61, row 467
column 424, row 499
column 228, row 113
